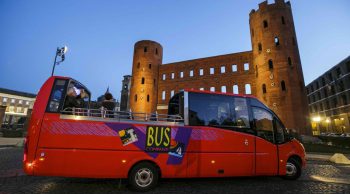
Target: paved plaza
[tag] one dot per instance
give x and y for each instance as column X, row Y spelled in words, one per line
column 320, row 176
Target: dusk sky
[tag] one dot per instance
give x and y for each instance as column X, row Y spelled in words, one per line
column 100, row 35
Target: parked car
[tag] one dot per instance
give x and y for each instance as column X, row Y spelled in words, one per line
column 345, row 135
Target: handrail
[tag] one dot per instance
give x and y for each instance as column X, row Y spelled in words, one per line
column 122, row 115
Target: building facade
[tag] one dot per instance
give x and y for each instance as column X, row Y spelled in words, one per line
column 272, row 71
column 329, row 100
column 125, row 93
column 17, row 106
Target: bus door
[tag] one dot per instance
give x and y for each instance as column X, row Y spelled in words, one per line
column 266, row 153
column 284, row 145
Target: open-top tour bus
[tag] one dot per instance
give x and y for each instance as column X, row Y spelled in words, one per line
column 205, row 134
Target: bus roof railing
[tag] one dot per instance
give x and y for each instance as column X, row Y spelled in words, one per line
column 122, row 115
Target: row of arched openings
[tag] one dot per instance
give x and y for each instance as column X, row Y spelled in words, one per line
column 135, row 97
column 283, row 87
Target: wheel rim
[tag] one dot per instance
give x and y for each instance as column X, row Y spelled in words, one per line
column 144, row 177
column 291, row 169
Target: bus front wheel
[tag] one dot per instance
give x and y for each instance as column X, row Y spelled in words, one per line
column 293, row 169
column 143, row 177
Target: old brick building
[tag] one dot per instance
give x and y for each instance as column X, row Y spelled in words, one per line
column 272, row 71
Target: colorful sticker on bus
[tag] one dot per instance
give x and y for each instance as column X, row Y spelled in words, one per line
column 128, row 136
column 155, row 140
column 177, row 149
column 158, row 139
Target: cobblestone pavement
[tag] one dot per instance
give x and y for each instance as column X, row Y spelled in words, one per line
column 319, row 177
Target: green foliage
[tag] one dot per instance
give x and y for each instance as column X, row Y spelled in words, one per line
column 324, row 148
column 12, row 133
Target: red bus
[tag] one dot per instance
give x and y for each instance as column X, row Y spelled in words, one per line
column 204, row 134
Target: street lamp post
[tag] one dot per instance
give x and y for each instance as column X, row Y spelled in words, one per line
column 61, row 53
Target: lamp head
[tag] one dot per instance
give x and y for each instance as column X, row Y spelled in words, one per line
column 316, row 119
column 64, row 50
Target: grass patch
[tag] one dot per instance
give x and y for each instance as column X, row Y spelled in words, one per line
column 12, row 133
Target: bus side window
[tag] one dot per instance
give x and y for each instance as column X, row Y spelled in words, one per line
column 57, row 96
column 176, row 105
column 210, row 110
column 219, row 111
column 264, row 124
column 241, row 112
column 279, row 132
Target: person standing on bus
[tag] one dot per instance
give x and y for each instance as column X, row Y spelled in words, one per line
column 109, row 105
column 73, row 99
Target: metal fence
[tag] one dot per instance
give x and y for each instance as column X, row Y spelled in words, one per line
column 122, row 115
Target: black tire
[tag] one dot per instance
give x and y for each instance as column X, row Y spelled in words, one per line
column 293, row 169
column 143, row 177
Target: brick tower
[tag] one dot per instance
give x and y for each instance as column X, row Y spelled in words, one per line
column 279, row 77
column 144, row 83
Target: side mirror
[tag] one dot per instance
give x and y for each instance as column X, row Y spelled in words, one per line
column 290, row 134
column 290, row 137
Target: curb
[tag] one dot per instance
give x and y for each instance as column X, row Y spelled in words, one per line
column 317, row 159
column 7, row 146
column 18, row 145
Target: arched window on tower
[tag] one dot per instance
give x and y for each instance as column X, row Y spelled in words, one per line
column 248, row 89
column 282, row 19
column 277, row 41
column 264, row 89
column 143, row 80
column 259, row 47
column 145, row 49
column 147, row 97
column 156, row 51
column 270, row 65
column 150, row 65
column 135, row 97
column 154, row 81
column 265, row 24
column 283, row 85
column 138, row 65
column 290, row 62
column 252, row 32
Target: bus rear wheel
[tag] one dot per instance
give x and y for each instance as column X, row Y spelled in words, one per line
column 143, row 177
column 293, row 169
